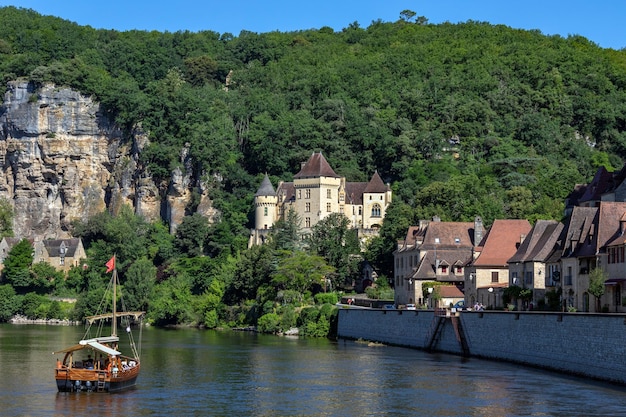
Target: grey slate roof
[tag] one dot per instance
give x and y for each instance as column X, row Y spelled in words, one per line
column 540, row 242
column 53, row 247
column 266, row 188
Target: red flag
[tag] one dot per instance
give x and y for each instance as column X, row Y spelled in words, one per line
column 111, row 264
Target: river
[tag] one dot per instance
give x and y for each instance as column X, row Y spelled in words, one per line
column 208, row 373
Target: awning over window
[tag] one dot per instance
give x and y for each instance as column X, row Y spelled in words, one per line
column 614, row 281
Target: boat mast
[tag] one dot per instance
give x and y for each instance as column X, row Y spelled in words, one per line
column 114, row 325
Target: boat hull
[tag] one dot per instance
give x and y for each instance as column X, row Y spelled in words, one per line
column 86, row 380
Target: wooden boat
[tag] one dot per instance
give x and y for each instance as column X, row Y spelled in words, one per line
column 96, row 364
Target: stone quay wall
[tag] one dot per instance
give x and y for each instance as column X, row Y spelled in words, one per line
column 591, row 345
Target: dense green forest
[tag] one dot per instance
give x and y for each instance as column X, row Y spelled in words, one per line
column 461, row 119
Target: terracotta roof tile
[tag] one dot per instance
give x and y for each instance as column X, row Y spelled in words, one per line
column 501, row 242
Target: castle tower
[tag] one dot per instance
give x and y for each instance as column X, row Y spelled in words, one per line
column 266, row 202
column 376, row 199
column 317, row 191
column 265, row 208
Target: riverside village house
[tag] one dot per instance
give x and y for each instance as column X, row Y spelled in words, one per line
column 439, row 263
column 316, row 192
column 61, row 254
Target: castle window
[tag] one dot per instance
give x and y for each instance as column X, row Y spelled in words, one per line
column 265, row 211
column 299, row 194
column 307, row 207
column 360, row 210
column 328, row 194
column 376, row 210
column 328, row 207
column 307, row 222
column 307, row 193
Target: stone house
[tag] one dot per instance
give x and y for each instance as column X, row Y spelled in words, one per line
column 433, row 251
column 593, row 238
column 316, row 192
column 62, row 254
column 488, row 273
column 527, row 267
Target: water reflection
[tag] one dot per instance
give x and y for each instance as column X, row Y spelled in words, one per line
column 198, row 373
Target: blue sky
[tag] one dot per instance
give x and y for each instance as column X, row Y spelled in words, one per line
column 601, row 21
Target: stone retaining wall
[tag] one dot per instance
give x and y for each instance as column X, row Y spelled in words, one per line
column 592, row 345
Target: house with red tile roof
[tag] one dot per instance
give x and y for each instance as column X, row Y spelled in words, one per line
column 488, row 273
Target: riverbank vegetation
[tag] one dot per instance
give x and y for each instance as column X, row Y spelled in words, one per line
column 461, row 119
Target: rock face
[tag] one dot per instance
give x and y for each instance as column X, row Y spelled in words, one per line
column 62, row 160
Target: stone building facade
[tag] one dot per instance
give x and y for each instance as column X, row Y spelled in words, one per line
column 316, row 192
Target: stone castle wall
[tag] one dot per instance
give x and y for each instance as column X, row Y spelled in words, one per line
column 592, row 345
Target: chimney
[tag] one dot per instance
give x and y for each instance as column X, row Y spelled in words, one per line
column 478, row 230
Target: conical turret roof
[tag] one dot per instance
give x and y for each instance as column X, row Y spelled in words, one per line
column 266, row 188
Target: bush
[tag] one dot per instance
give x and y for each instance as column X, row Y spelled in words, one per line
column 211, row 320
column 54, row 311
column 269, row 323
column 326, row 298
column 308, row 315
column 9, row 302
column 327, row 310
column 33, row 306
column 288, row 317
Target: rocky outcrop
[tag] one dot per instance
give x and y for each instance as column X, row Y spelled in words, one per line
column 63, row 160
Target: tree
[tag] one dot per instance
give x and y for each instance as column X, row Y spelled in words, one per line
column 254, row 269
column 44, row 276
column 407, row 15
column 285, row 234
column 172, row 302
column 597, row 276
column 191, row 235
column 200, row 70
column 334, row 240
column 300, row 271
column 17, row 266
column 9, row 302
column 140, row 281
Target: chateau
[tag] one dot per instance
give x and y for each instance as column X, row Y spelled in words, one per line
column 316, row 192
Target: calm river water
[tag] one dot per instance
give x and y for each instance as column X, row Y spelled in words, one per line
column 207, row 373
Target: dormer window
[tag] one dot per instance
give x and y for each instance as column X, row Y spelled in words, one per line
column 457, row 240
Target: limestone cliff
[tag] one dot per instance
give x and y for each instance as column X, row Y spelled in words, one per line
column 63, row 160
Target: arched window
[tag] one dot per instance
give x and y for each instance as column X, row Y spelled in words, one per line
column 376, row 210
